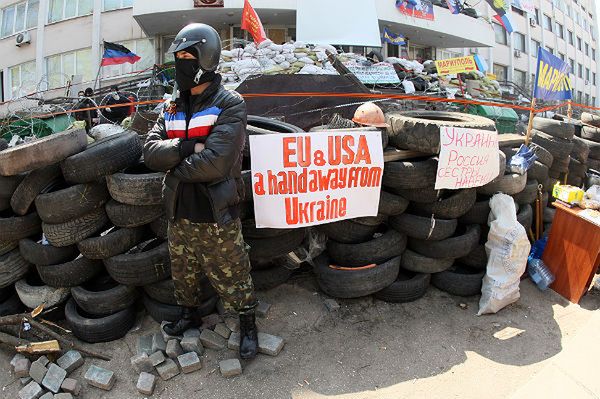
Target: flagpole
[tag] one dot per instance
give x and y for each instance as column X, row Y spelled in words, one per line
column 97, row 76
column 530, row 125
column 569, row 110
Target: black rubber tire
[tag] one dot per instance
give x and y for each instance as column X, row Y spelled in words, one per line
column 267, row 279
column 410, row 174
column 33, row 184
column 11, row 306
column 71, row 232
column 262, row 249
column 129, row 216
column 7, row 246
column 391, row 204
column 39, row 254
column 4, row 203
column 164, row 291
column 555, row 128
column 459, row 280
column 408, row 287
column 149, row 266
column 70, row 274
column 137, row 185
column 12, row 268
column 116, row 242
column 476, row 259
column 581, row 150
column 479, row 212
column 590, row 119
column 456, row 204
column 358, row 282
column 594, row 148
column 454, row 247
column 160, row 227
column 418, row 263
column 14, row 228
column 8, row 184
column 421, row 227
column 258, row 125
column 32, row 292
column 104, row 296
column 164, row 312
column 508, row 184
column 42, row 152
column 538, row 171
column 371, row 220
column 250, row 231
column 420, row 130
column 99, row 329
column 544, row 156
column 102, row 158
column 593, row 164
column 376, row 251
column 61, row 205
column 525, row 217
column 590, row 133
column 529, row 194
column 347, row 231
column 576, row 168
column 560, row 165
column 559, row 148
column 419, row 196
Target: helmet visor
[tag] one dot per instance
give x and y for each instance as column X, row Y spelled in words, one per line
column 181, row 44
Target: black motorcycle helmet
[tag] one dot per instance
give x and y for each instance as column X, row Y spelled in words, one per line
column 205, row 42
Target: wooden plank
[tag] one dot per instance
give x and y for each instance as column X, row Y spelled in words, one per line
column 510, row 140
column 392, row 154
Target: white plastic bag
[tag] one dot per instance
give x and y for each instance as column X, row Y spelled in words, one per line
column 507, row 248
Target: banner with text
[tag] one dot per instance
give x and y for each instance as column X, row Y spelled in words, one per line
column 422, row 9
column 306, row 179
column 468, row 158
column 552, row 80
column 380, row 73
column 456, row 65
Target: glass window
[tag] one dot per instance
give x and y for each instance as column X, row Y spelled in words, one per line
column 143, row 48
column 519, row 41
column 559, row 30
column 63, row 9
column 61, row 68
column 593, row 54
column 22, row 79
column 8, row 21
column 500, row 34
column 116, row 4
column 593, row 101
column 550, row 49
column 547, row 23
column 55, row 10
column 537, row 16
column 20, row 19
column 32, row 13
column 578, row 43
column 572, row 63
column 579, row 96
column 70, row 9
column 561, row 56
column 535, row 45
column 570, row 35
column 587, row 49
column 500, row 71
column 593, row 78
column 580, row 70
column 85, row 7
column 520, row 78
column 587, row 99
column 587, row 74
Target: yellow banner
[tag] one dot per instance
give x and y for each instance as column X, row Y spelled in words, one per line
column 456, row 65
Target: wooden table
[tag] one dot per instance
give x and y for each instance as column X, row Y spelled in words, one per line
column 572, row 252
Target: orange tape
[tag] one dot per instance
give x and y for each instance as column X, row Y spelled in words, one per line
column 352, row 268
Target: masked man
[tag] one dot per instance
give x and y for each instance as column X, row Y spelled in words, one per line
column 198, row 141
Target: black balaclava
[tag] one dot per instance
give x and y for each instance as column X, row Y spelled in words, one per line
column 188, row 73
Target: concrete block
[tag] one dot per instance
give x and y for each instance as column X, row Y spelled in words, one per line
column 37, row 371
column 192, row 332
column 43, row 360
column 189, row 362
column 100, row 378
column 168, row 369
column 142, row 363
column 174, row 349
column 192, row 344
column 158, row 343
column 47, row 395
column 212, row 340
column 25, row 380
column 22, row 368
column 262, row 309
column 267, row 344
column 230, row 367
column 70, row 361
column 15, row 358
column 233, row 323
column 157, row 358
column 144, row 344
column 210, row 321
column 146, row 383
column 54, row 378
column 72, row 386
column 331, row 304
column 63, row 395
column 166, row 336
column 33, row 390
column 223, row 330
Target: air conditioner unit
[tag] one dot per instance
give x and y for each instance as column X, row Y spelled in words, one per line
column 22, row 38
column 518, row 53
column 532, row 22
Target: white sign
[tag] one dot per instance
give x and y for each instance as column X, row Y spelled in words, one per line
column 381, row 73
column 525, row 5
column 468, row 158
column 306, row 179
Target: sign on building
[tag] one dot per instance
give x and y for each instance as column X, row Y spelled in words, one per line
column 381, row 73
column 456, row 65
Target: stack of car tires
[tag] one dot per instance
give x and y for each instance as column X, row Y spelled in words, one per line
column 590, row 135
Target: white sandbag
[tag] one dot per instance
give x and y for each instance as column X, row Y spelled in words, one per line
column 227, row 53
column 299, row 45
column 105, row 130
column 325, row 48
column 285, row 65
column 264, row 44
column 290, row 58
column 321, row 56
column 288, row 48
column 279, row 58
column 306, row 60
column 237, row 52
column 507, row 248
column 266, row 63
column 278, row 48
column 301, row 55
column 250, row 63
column 264, row 52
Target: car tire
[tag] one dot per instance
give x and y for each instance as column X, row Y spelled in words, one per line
column 143, row 265
column 61, row 204
column 459, row 280
column 164, row 291
column 136, row 186
column 417, row 263
column 32, row 185
column 462, row 243
column 267, row 279
column 12, row 268
column 420, row 173
column 408, row 287
column 39, row 254
column 508, row 184
column 378, row 250
column 14, row 228
column 116, row 242
column 73, row 231
column 456, row 204
column 33, row 295
column 555, row 128
column 94, row 329
column 70, row 274
column 347, row 231
column 104, row 296
column 163, row 312
column 424, row 228
column 130, row 216
column 262, row 249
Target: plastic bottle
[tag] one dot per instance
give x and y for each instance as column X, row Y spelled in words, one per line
column 540, row 274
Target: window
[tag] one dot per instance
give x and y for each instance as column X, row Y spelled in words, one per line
column 547, row 23
column 579, row 96
column 587, row 74
column 550, row 49
column 570, row 35
column 519, row 41
column 500, row 71
column 520, row 78
column 559, row 31
column 568, row 10
column 587, row 99
column 500, row 34
column 144, row 48
column 594, row 78
column 116, row 4
column 61, row 68
column 593, row 101
column 579, row 43
column 561, row 56
column 19, row 17
column 580, row 70
column 587, row 49
column 518, row 11
column 572, row 63
column 534, row 46
column 593, row 54
column 537, row 16
column 22, row 79
column 64, row 9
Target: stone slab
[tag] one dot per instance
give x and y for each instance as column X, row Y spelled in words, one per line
column 100, row 378
column 54, row 378
column 189, row 362
column 230, row 368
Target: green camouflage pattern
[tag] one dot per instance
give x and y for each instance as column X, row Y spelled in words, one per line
column 220, row 253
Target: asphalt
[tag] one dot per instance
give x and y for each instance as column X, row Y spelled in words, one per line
column 542, row 346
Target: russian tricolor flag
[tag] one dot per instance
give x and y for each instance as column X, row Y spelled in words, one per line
column 200, row 124
column 115, row 54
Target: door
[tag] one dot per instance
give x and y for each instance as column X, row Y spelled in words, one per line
column 277, row 35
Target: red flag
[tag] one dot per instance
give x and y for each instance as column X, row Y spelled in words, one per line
column 251, row 23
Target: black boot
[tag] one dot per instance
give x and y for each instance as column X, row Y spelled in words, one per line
column 248, row 336
column 182, row 325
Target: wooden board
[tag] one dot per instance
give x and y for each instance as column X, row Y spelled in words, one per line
column 510, row 140
column 572, row 253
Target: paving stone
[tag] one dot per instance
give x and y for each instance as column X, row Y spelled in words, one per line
column 192, row 344
column 33, row 390
column 174, row 349
column 230, row 367
column 54, row 378
column 168, row 369
column 63, row 395
column 158, row 343
column 233, row 323
column 267, row 344
column 22, row 368
column 142, row 363
column 262, row 309
column 38, row 371
column 43, row 360
column 157, row 358
column 331, row 304
column 212, row 340
column 146, row 383
column 72, row 386
column 210, row 321
column 189, row 362
column 70, row 361
column 223, row 330
column 166, row 336
column 192, row 332
column 100, row 378
column 25, row 380
column 47, row 395
column 144, row 344
column 16, row 357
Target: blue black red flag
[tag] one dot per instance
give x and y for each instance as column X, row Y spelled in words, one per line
column 115, row 54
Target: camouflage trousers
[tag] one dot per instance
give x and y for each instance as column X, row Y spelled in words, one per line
column 220, row 253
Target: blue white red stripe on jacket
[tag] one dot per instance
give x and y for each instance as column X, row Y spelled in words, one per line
column 200, row 124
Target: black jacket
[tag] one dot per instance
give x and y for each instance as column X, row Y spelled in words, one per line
column 216, row 171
